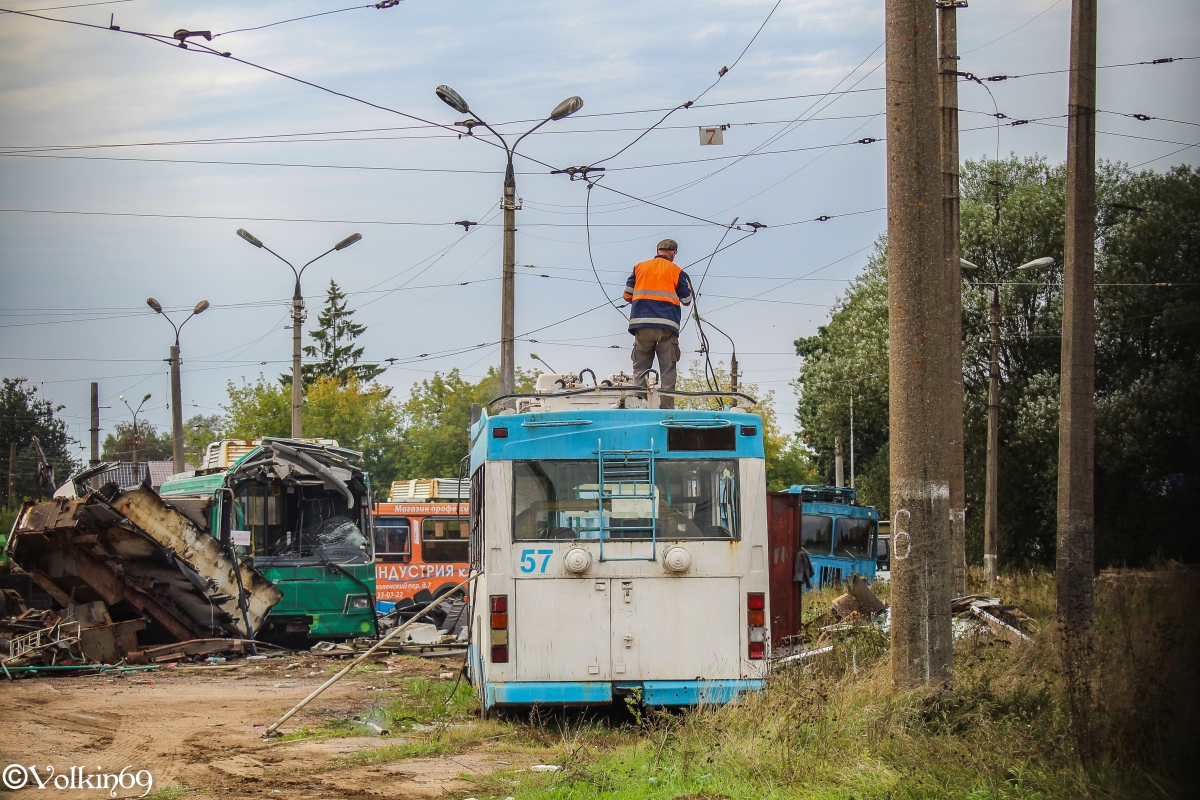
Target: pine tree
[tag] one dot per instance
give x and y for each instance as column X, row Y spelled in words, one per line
column 334, row 338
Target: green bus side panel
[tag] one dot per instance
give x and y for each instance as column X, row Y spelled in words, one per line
column 322, row 593
column 200, row 485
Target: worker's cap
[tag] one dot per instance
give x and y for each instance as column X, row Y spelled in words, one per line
column 668, row 244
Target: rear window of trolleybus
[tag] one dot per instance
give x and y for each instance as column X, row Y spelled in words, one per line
column 691, row 499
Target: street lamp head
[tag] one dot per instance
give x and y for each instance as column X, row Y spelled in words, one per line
column 147, row 397
column 200, row 307
column 150, row 301
column 249, row 237
column 967, row 264
column 566, row 108
column 1037, row 263
column 349, row 240
column 453, row 99
column 121, row 398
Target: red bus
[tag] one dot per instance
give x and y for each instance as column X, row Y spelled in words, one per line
column 421, row 541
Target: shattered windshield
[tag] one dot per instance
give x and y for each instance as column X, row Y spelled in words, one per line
column 299, row 522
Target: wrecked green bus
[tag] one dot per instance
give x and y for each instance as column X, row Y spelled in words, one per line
column 299, row 511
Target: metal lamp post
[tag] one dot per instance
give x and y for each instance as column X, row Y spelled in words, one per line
column 991, row 513
column 509, row 204
column 176, row 391
column 297, row 316
column 135, row 412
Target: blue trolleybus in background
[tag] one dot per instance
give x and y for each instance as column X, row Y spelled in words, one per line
column 620, row 549
column 838, row 534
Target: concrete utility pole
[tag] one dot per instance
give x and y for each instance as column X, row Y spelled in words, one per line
column 1077, row 410
column 509, row 204
column 508, row 285
column 297, row 318
column 991, row 514
column 12, row 473
column 919, row 351
column 95, row 429
column 839, row 474
column 176, row 390
column 952, row 253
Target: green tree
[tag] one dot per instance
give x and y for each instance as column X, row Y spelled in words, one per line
column 198, row 432
column 335, row 336
column 1147, row 360
column 848, row 358
column 437, row 417
column 787, row 458
column 24, row 415
column 152, row 445
column 358, row 415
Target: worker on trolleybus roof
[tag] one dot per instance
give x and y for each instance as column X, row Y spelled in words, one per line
column 657, row 289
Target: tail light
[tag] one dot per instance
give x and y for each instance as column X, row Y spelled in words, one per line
column 498, row 604
column 756, row 622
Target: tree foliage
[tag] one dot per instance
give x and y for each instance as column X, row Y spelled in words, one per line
column 436, row 418
column 337, row 355
column 358, row 415
column 152, row 445
column 848, row 358
column 1147, row 360
column 23, row 415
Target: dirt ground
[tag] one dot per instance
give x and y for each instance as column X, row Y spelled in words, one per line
column 202, row 728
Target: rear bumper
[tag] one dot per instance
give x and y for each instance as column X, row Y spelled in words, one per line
column 653, row 693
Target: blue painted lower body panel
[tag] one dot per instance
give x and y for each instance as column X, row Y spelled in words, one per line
column 693, row 693
column 653, row 693
column 524, row 693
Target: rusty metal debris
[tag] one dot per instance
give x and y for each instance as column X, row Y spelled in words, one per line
column 125, row 566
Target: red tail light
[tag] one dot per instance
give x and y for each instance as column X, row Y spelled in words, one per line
column 499, row 620
column 756, row 601
column 757, row 651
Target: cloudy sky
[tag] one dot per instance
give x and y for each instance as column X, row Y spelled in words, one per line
column 128, row 165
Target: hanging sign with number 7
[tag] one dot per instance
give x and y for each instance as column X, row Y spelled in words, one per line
column 712, row 135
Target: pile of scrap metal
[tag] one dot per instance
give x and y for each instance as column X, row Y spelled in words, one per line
column 1005, row 622
column 447, row 628
column 857, row 607
column 133, row 579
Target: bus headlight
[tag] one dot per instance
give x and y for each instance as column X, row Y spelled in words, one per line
column 358, row 603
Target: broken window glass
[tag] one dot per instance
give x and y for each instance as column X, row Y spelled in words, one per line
column 816, row 533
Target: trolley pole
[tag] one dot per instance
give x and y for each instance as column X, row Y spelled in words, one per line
column 951, row 249
column 1077, row 410
column 919, row 357
column 991, row 515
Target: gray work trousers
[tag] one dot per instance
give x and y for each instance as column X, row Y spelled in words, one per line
column 649, row 342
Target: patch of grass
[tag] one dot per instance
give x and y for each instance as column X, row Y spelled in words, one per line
column 397, row 752
column 421, row 702
column 169, row 793
column 1009, row 727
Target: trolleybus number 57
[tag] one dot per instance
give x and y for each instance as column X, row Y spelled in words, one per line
column 529, row 563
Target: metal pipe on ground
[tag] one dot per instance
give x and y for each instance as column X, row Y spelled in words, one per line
column 320, row 689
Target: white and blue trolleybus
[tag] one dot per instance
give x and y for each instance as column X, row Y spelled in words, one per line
column 621, row 549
